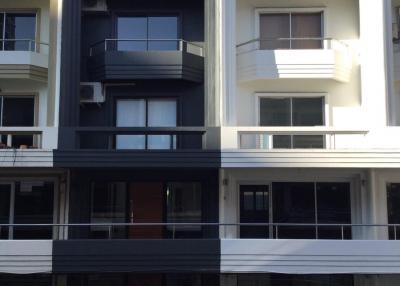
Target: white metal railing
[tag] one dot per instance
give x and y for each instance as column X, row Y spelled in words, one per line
column 339, row 231
column 291, row 44
column 177, row 44
column 28, row 45
column 9, row 134
column 322, row 137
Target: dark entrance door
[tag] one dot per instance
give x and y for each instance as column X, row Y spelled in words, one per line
column 254, row 208
column 146, row 206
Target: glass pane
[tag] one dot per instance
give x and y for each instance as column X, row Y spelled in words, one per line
column 307, row 26
column 308, row 111
column 294, row 203
column 275, row 112
column 282, row 141
column 333, row 206
column 18, row 111
column 254, row 208
column 274, row 27
column 105, row 280
column 20, row 28
column 183, row 280
column 34, row 203
column 1, row 30
column 393, row 203
column 163, row 28
column 308, row 142
column 131, row 113
column 5, row 193
column 132, row 34
column 108, row 205
column 184, row 205
column 162, row 113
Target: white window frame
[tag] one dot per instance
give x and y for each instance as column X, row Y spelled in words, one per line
column 288, row 10
column 325, row 96
column 56, row 197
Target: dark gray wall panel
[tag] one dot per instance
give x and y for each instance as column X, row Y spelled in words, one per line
column 138, row 159
column 124, row 65
column 96, row 256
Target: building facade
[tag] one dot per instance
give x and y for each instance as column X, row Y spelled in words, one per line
column 202, row 142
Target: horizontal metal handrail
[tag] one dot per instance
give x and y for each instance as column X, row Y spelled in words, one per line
column 311, row 130
column 273, row 228
column 326, row 43
column 180, row 47
column 31, row 43
column 143, row 130
column 200, row 224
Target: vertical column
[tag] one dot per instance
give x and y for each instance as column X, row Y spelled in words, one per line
column 373, row 62
column 228, row 27
column 70, row 73
column 221, row 62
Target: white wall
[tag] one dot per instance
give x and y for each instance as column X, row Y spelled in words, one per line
column 342, row 23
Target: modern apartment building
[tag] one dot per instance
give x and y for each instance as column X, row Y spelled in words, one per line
column 201, row 142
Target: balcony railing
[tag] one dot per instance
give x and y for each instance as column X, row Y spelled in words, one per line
column 291, row 44
column 21, row 137
column 309, row 137
column 27, row 45
column 194, row 136
column 146, row 45
column 272, row 230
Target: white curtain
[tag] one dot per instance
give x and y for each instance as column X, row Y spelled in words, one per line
column 161, row 113
column 131, row 113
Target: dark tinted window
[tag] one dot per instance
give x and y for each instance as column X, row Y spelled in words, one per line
column 5, row 193
column 26, row 280
column 18, row 111
column 393, row 203
column 20, row 26
column 157, row 33
column 275, row 112
column 33, row 205
column 294, row 203
column 308, row 111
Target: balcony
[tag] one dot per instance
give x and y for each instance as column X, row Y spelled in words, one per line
column 27, row 60
column 257, row 61
column 122, row 59
column 319, row 147
column 27, row 146
column 98, row 147
column 366, row 253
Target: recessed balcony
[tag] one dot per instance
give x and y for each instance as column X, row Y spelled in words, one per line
column 296, row 58
column 23, row 59
column 127, row 59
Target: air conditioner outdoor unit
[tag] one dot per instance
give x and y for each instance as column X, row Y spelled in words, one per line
column 91, row 92
column 94, row 5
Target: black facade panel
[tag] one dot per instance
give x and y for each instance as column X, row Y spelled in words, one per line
column 137, row 159
column 122, row 256
column 132, row 65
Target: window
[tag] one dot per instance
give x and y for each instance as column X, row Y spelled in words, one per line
column 18, row 31
column 157, row 33
column 17, row 111
column 146, row 113
column 184, row 206
column 26, row 203
column 291, row 31
column 393, row 206
column 26, row 280
column 296, row 203
column 294, row 111
column 108, row 205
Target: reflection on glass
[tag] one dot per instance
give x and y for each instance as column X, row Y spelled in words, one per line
column 298, row 280
column 5, row 194
column 393, row 205
column 34, row 204
column 19, row 29
column 147, row 33
column 108, row 205
column 184, row 206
